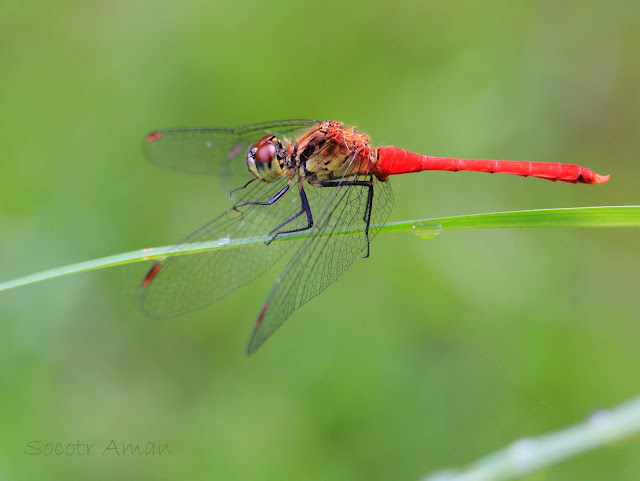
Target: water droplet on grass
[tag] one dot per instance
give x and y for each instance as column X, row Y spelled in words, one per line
column 427, row 229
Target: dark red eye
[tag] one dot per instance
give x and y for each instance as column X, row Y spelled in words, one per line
column 266, row 153
column 263, row 140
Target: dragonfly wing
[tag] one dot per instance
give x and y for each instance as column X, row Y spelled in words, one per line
column 215, row 151
column 325, row 255
column 183, row 283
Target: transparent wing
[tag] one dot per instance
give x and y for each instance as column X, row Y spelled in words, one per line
column 321, row 258
column 183, row 283
column 215, row 151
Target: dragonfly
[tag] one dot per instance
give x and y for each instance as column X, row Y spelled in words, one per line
column 319, row 178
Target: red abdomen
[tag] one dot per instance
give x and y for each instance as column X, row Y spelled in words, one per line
column 393, row 160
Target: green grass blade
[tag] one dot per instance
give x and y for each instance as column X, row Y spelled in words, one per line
column 616, row 216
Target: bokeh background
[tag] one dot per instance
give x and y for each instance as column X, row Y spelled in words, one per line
column 427, row 355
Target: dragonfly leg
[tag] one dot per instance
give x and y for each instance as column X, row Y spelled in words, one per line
column 367, row 210
column 273, row 199
column 240, row 188
column 367, row 215
column 305, row 209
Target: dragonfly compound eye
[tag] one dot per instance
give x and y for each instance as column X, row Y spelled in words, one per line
column 265, row 159
column 266, row 153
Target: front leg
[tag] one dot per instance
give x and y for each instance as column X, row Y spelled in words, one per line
column 273, row 199
column 242, row 187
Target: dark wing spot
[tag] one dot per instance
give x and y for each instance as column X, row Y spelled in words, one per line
column 153, row 136
column 263, row 311
column 155, row 268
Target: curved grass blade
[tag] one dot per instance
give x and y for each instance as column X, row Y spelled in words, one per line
column 614, row 216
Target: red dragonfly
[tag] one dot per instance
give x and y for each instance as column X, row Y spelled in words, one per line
column 305, row 175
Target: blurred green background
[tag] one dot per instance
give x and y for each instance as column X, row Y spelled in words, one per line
column 427, row 355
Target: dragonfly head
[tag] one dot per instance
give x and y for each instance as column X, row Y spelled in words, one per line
column 266, row 159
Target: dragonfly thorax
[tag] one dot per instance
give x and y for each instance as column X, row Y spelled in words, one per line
column 267, row 159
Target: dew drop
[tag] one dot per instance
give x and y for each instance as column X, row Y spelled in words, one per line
column 427, row 229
